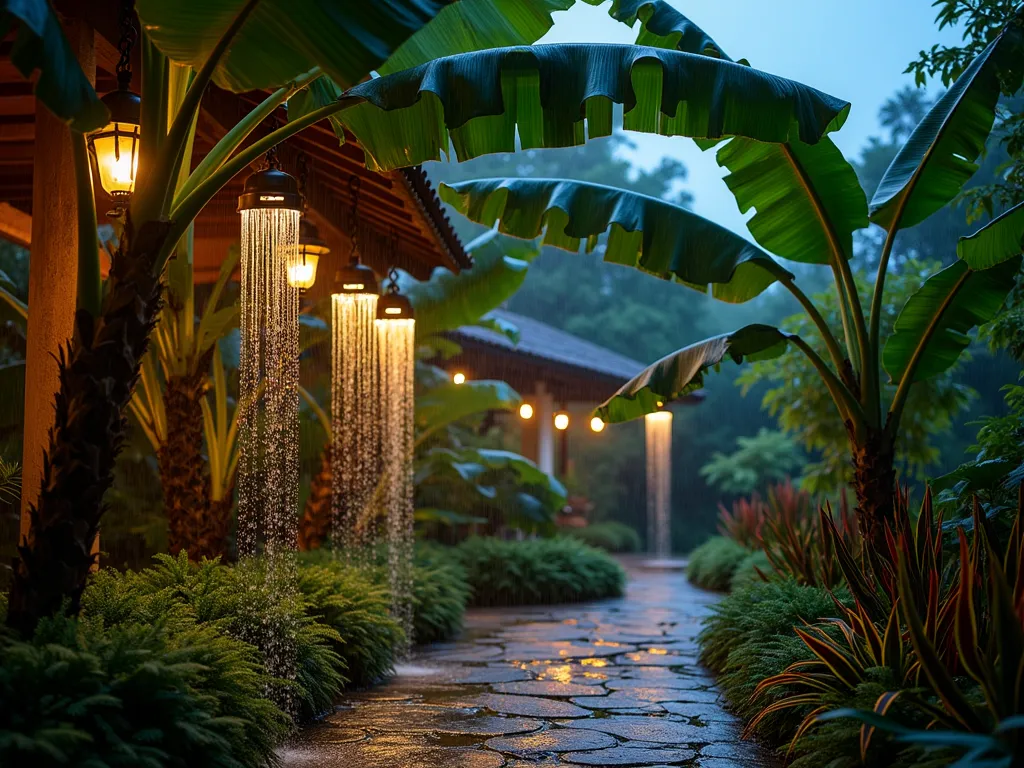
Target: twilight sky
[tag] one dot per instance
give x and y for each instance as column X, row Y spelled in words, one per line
column 856, row 50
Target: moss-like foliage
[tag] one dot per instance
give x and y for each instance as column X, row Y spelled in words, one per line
column 611, row 536
column 750, row 570
column 713, row 563
column 537, row 571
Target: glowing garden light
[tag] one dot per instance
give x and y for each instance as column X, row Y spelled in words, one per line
column 114, row 149
column 526, row 411
column 303, row 262
column 596, row 424
column 562, row 420
column 459, row 378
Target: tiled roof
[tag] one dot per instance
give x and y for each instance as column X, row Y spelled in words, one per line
column 543, row 341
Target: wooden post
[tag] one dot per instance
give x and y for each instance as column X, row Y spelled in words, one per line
column 53, row 267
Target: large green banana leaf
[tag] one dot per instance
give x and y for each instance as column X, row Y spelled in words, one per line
column 474, row 26
column 559, row 95
column 40, row 46
column 807, row 196
column 662, row 26
column 447, row 301
column 447, row 403
column 281, row 40
column 644, row 232
column 682, row 372
column 939, row 156
column 962, row 296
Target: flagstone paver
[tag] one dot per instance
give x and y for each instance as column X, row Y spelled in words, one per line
column 612, row 683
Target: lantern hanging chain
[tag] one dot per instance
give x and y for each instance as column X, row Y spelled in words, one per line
column 270, row 160
column 393, row 272
column 129, row 34
column 354, row 184
column 303, row 177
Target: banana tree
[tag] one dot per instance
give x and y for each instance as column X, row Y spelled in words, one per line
column 807, row 202
column 432, row 93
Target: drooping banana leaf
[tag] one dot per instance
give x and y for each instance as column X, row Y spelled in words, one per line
column 939, row 157
column 40, row 46
column 476, row 25
column 559, row 95
column 662, row 26
column 960, row 297
column 448, row 403
column 447, row 300
column 644, row 232
column 807, row 196
column 347, row 39
column 682, row 372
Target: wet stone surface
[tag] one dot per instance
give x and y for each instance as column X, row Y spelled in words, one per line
column 609, row 683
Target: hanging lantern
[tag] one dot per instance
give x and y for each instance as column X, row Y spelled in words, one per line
column 114, row 149
column 302, row 266
column 562, row 421
column 526, row 411
column 269, row 368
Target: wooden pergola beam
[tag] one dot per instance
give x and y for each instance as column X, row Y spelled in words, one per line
column 15, row 225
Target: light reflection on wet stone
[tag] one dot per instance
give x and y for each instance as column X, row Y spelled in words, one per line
column 609, row 683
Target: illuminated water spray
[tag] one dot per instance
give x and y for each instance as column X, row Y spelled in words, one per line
column 396, row 331
column 268, row 410
column 658, row 429
column 355, row 425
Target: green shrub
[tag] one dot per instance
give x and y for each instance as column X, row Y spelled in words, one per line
column 712, row 564
column 357, row 607
column 440, row 595
column 611, row 536
column 747, row 571
column 537, row 571
column 82, row 694
column 755, row 613
column 240, row 602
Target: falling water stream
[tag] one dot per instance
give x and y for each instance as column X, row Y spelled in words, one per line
column 658, row 429
column 356, row 430
column 396, row 339
column 268, row 423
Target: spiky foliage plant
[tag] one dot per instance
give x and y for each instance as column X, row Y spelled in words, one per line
column 984, row 721
column 744, row 522
column 440, row 594
column 537, row 571
column 713, row 563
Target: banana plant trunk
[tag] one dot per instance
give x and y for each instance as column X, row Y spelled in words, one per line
column 874, row 481
column 315, row 526
column 97, row 372
column 191, row 519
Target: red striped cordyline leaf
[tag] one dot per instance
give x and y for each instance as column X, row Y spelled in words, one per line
column 882, row 705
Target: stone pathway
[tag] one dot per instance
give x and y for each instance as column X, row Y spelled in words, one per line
column 613, row 683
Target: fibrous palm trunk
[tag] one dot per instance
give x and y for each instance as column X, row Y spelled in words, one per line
column 183, row 472
column 317, row 518
column 874, row 480
column 97, row 372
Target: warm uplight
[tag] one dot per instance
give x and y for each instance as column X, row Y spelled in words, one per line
column 526, row 411
column 561, row 420
column 459, row 378
column 596, row 424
